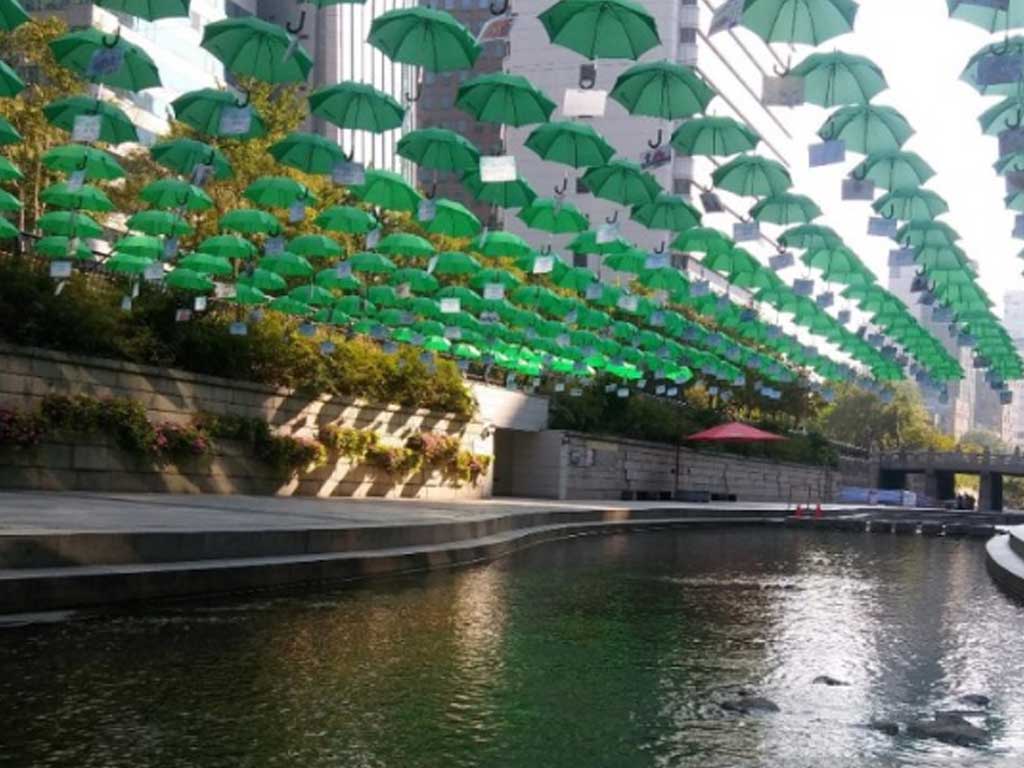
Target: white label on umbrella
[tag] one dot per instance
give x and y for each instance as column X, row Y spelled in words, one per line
column 994, row 69
column 497, row 168
column 1018, row 226
column 453, row 332
column 858, row 189
column 135, row 290
column 803, row 287
column 584, row 103
column 126, row 303
column 713, row 390
column 60, row 269
column 199, row 304
column 542, row 265
column 657, row 319
column 76, row 180
column 427, row 210
column 781, row 261
column 727, row 16
column 426, row 358
column 373, row 237
column 73, row 245
column 389, row 347
column 711, row 202
column 238, row 329
column 656, row 158
column 499, row 28
column 327, row 347
column 622, row 392
column 451, row 305
column 746, row 231
column 235, row 121
column 494, row 291
column 559, row 386
column 785, row 91
column 594, row 291
column 105, row 61
column 879, row 227
column 170, row 247
column 844, row 316
column 201, row 174
column 628, row 303
column 656, row 261
column 344, row 269
column 307, row 329
column 607, row 233
column 154, row 271
column 224, row 290
column 403, row 290
column 431, row 265
column 273, row 246
column 903, row 257
column 700, row 288
column 609, row 388
column 256, row 316
column 86, row 128
column 827, row 153
column 297, row 211
column 182, row 315
column 672, row 391
column 348, row 174
column 826, row 300
column 575, row 392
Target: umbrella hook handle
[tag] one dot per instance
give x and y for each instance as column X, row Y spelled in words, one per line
column 414, row 97
column 613, row 218
column 588, row 77
column 546, row 250
column 889, row 214
column 499, row 10
column 859, row 173
column 1015, row 125
column 85, row 161
column 182, row 201
column 112, row 42
column 211, row 158
column 831, row 132
column 350, row 154
column 433, row 191
column 780, row 72
column 561, row 188
column 244, row 102
column 1001, row 49
column 661, row 248
column 298, row 27
column 657, row 142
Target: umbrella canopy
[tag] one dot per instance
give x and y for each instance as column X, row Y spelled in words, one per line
column 184, row 279
column 95, row 163
column 913, row 204
column 387, row 190
column 990, row 16
column 307, row 152
column 455, row 263
column 714, row 137
column 837, row 78
column 357, row 106
column 10, row 83
column 347, row 219
column 504, row 99
column 786, row 209
column 128, row 264
column 622, row 182
column 669, row 212
column 752, row 176
column 8, row 133
column 424, row 37
column 277, row 192
column 499, row 244
column 811, row 22
column 183, row 155
column 204, row 108
column 453, row 220
column 60, row 248
column 228, row 246
column 867, row 128
column 554, row 216
column 207, row 264
column 158, row 223
column 250, row 221
column 504, row 194
column 810, row 236
column 69, row 224
column 894, row 170
column 263, row 280
column 1005, row 86
column 287, row 264
column 84, row 198
column 77, row 50
column 251, row 47
column 175, row 193
column 662, row 89
column 150, row 10
column 405, row 244
column 314, row 246
column 601, row 29
column 12, row 15
column 702, row 240
column 140, row 245
column 115, row 127
column 570, row 143
column 439, row 149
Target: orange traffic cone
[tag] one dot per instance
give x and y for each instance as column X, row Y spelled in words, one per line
column 818, row 513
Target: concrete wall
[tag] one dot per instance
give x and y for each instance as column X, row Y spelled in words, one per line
column 529, row 464
column 27, row 375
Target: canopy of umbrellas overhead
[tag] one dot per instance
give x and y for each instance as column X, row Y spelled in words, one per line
column 502, row 301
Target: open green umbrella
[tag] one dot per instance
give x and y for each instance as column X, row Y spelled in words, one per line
column 867, row 128
column 9, row 203
column 501, row 244
column 347, row 219
column 1010, row 47
column 799, row 21
column 250, row 221
column 752, row 176
column 8, row 133
column 504, row 194
column 10, row 83
column 277, row 192
column 990, row 15
column 702, row 240
column 918, row 234
column 586, row 242
column 83, row 198
column 786, row 209
column 228, row 246
column 553, row 216
column 634, row 261
column 150, row 10
column 357, row 106
column 128, row 264
column 249, row 296
column 1007, row 115
column 287, row 264
column 894, row 169
column 669, row 212
column 159, row 223
column 601, row 29
column 183, row 155
column 188, row 280
column 424, row 37
column 837, row 78
column 12, row 15
column 176, row 193
column 69, row 224
column 307, row 152
column 251, row 47
column 574, row 144
column 387, row 190
column 494, row 276
column 140, row 245
column 9, row 171
column 662, row 89
column 405, row 244
column 505, row 99
column 418, row 280
column 286, row 305
column 453, row 220
column 373, row 263
column 263, row 279
column 204, row 108
column 439, row 149
column 622, row 182
column 313, row 295
column 455, row 263
column 663, row 279
column 314, row 246
column 61, row 248
column 77, row 50
column 335, row 280
column 714, row 137
column 809, row 236
column 207, row 264
column 115, row 127
column 914, row 204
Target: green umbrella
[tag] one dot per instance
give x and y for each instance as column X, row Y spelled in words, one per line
column 189, row 280
column 128, row 264
column 314, row 295
column 387, row 190
column 662, row 89
column 895, row 169
column 9, row 171
column 374, row 263
column 159, row 223
column 405, row 244
column 332, row 278
column 347, row 219
column 115, row 127
column 867, row 128
column 913, row 204
column 8, row 133
column 207, row 264
column 601, row 29
column 1005, row 86
column 786, row 209
column 140, row 245
column 277, row 192
column 439, row 149
column 150, row 10
column 10, row 84
column 714, row 137
column 1007, row 115
column 455, row 263
column 453, row 220
column 837, row 260
column 203, row 110
column 501, row 244
column 799, row 21
column 62, row 248
column 263, row 279
column 286, row 305
column 702, row 240
column 663, row 279
column 918, row 234
column 752, row 176
column 175, row 193
column 575, row 279
column 1011, row 163
column 85, row 197
column 228, row 246
column 418, row 280
column 504, row 99
column 669, row 212
column 76, row 51
column 250, row 221
column 357, row 106
column 307, row 152
column 287, row 265
column 574, row 144
column 504, row 194
column 251, row 47
column 424, row 37
column 810, row 236
column 622, row 182
column 586, row 242
column 730, row 263
column 183, row 155
column 69, row 224
column 469, row 300
column 633, row 261
column 314, row 246
column 837, row 78
column 12, row 15
column 9, row 203
column 496, row 276
column 249, row 296
column 553, row 216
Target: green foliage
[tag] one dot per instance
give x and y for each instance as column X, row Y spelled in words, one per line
column 981, row 440
column 354, row 444
column 284, row 453
column 121, row 418
column 396, row 460
column 858, row 417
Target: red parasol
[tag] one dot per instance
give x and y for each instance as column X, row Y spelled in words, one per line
column 735, row 433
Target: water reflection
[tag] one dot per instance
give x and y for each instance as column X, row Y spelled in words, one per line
column 596, row 652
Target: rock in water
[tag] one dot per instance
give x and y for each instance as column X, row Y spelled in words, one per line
column 949, row 729
column 750, row 704
column 975, row 700
column 885, row 726
column 829, row 681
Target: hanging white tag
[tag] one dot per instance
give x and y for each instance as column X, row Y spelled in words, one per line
column 803, row 287
column 348, row 174
column 86, row 128
column 403, row 291
column 343, row 270
column 170, row 247
column 858, row 189
column 781, row 261
column 297, row 211
column 307, row 329
column 607, row 233
column 628, row 303
column 427, row 210
column 879, row 227
column 672, row 391
column 559, row 386
column 135, row 289
column 201, row 174
column 235, row 121
column 126, row 303
column 711, row 202
column 1000, row 69
column 542, row 265
column 785, row 91
column 199, row 304
column 827, row 153
column 497, row 168
column 594, row 291
column 76, row 180
column 578, row 102
column 238, row 329
column 105, row 61
column 902, row 257
column 453, row 332
column 746, row 231
column 825, row 300
column 656, row 261
column 182, row 315
column 60, row 269
column 327, row 347
column 273, row 246
column 154, row 271
column 700, row 288
column 224, row 290
column 494, row 291
column 373, row 237
column 451, row 305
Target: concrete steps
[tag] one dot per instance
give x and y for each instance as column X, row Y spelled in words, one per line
column 1006, row 560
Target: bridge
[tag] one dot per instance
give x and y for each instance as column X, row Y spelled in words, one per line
column 940, row 469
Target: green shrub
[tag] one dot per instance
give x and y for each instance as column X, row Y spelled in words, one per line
column 354, row 444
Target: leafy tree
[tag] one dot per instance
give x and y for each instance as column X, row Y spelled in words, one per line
column 980, row 440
